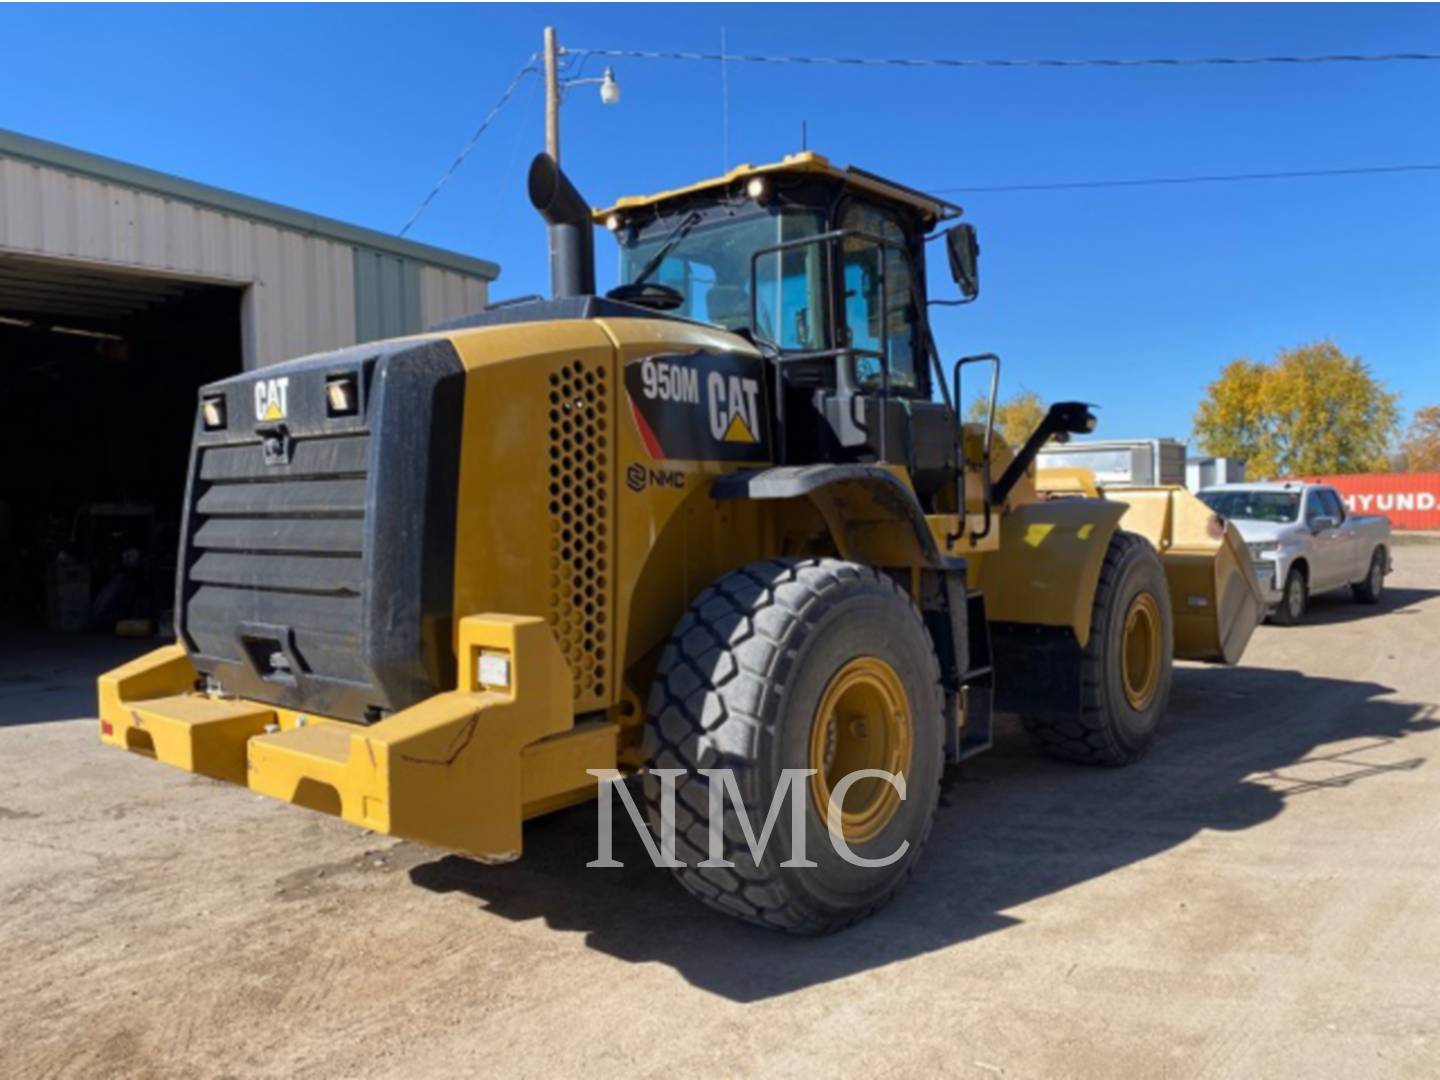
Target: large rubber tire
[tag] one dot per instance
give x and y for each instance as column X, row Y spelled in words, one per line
column 739, row 684
column 1369, row 590
column 1294, row 599
column 1109, row 729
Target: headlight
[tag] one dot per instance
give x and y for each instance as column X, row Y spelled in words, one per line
column 341, row 397
column 212, row 412
column 1260, row 550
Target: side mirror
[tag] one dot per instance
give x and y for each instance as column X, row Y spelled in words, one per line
column 963, row 246
column 1321, row 523
column 1070, row 418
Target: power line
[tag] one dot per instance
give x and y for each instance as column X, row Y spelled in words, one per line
column 490, row 116
column 965, row 62
column 1070, row 185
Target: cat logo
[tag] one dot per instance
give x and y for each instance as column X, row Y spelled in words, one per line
column 699, row 406
column 734, row 407
column 270, row 398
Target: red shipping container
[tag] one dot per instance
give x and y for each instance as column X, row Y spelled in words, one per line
column 1409, row 500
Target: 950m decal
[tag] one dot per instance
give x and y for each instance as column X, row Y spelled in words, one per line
column 700, row 406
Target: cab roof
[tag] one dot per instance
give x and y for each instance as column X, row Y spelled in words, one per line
column 806, row 162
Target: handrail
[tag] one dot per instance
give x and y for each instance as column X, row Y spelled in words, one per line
column 986, row 486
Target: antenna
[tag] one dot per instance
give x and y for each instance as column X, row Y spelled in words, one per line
column 724, row 108
column 804, row 141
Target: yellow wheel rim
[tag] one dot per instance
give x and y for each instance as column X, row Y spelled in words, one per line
column 862, row 722
column 1140, row 659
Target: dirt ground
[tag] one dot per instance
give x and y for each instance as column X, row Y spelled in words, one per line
column 1259, row 897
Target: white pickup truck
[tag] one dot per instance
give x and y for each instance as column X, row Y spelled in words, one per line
column 1302, row 541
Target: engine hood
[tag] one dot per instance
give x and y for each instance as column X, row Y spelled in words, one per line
column 1260, row 532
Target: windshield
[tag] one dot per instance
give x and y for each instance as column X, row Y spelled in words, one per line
column 1280, row 507
column 709, row 264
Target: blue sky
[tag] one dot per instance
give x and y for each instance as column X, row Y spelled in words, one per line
column 1129, row 298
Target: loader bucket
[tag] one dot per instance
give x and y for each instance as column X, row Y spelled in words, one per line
column 1214, row 595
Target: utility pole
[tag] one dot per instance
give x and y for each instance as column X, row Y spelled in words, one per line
column 552, row 97
column 555, row 92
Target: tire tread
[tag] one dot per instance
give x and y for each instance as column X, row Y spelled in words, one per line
column 729, row 653
column 1088, row 737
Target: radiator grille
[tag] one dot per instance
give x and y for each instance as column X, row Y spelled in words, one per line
column 281, row 545
column 580, row 513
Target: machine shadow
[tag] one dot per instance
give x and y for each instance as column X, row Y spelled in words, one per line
column 1013, row 826
column 1333, row 608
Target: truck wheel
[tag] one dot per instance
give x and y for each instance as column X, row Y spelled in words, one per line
column 799, row 664
column 1369, row 590
column 1125, row 669
column 1293, row 600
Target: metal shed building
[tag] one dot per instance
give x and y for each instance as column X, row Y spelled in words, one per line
column 122, row 290
column 73, row 223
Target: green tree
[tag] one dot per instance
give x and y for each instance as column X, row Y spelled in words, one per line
column 1310, row 410
column 1420, row 449
column 1015, row 417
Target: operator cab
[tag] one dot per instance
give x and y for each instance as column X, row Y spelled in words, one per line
column 822, row 268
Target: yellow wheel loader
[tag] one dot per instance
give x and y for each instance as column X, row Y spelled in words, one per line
column 724, row 517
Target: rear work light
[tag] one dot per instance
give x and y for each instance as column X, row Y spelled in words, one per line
column 492, row 670
column 341, row 397
column 212, row 412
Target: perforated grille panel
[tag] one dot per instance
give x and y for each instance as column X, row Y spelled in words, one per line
column 580, row 525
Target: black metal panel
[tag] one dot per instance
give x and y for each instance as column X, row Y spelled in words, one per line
column 303, row 536
column 336, row 575
column 316, row 458
column 315, row 498
column 1037, row 670
column 795, row 481
column 317, row 563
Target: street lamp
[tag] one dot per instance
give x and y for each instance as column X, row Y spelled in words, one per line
column 555, row 89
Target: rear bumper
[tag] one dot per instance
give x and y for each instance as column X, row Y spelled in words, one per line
column 460, row 771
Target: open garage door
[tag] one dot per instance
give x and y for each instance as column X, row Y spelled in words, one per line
column 98, row 373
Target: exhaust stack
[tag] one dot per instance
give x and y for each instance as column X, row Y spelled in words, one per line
column 572, row 234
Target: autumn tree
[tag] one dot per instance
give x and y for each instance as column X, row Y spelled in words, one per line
column 1015, row 418
column 1420, row 449
column 1310, row 410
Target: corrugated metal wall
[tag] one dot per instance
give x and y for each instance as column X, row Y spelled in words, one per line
column 304, row 293
column 387, row 295
column 444, row 294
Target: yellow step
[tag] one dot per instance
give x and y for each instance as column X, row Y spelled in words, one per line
column 191, row 732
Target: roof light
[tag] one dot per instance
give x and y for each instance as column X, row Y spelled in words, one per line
column 340, row 396
column 212, row 412
column 613, row 223
column 757, row 189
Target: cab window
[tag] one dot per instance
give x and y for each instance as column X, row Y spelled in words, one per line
column 867, row 325
column 1333, row 506
column 709, row 265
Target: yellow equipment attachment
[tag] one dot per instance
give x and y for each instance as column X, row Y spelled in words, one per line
column 1215, row 600
column 1214, row 596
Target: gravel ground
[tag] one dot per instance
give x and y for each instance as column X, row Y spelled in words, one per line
column 1256, row 898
